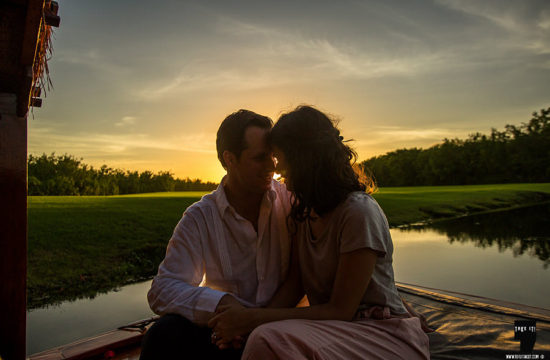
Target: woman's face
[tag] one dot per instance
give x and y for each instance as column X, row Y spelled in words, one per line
column 282, row 166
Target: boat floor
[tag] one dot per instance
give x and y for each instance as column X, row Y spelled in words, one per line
column 473, row 327
column 466, row 327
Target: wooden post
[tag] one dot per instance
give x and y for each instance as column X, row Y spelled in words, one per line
column 20, row 29
column 13, row 229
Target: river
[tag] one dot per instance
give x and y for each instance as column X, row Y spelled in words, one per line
column 503, row 255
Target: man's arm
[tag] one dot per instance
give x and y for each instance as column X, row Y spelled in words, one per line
column 175, row 289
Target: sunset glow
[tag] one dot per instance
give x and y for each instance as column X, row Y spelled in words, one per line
column 143, row 88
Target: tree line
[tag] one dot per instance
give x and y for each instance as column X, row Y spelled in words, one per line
column 516, row 154
column 67, row 175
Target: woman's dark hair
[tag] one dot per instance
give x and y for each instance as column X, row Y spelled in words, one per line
column 230, row 135
column 321, row 167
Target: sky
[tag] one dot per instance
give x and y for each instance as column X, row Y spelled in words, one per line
column 144, row 85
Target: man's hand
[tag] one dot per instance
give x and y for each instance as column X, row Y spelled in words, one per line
column 231, row 325
column 227, row 302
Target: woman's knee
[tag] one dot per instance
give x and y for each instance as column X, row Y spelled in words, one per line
column 258, row 342
column 263, row 332
column 266, row 338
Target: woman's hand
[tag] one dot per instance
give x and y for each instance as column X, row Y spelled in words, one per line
column 230, row 323
column 423, row 322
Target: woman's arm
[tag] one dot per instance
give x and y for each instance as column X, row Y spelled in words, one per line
column 352, row 278
column 291, row 291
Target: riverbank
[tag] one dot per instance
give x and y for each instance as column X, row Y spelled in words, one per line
column 409, row 205
column 79, row 246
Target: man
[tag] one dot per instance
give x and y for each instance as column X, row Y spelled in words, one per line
column 233, row 242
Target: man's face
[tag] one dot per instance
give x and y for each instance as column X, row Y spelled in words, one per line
column 254, row 169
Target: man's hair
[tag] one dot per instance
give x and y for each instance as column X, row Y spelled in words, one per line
column 230, row 135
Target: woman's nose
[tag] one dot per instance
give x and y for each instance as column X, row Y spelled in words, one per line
column 271, row 164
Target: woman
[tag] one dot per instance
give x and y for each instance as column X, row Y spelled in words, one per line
column 341, row 259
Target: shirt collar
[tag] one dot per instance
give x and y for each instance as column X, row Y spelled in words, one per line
column 221, row 198
column 223, row 204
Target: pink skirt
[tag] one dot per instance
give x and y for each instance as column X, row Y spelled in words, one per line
column 362, row 338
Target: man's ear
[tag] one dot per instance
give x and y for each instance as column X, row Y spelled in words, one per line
column 229, row 158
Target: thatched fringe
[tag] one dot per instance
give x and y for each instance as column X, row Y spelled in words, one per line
column 41, row 73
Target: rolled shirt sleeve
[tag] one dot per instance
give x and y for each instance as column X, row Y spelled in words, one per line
column 175, row 289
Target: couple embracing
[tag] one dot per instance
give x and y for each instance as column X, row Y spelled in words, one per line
column 243, row 257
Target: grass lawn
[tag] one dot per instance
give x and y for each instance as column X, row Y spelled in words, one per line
column 406, row 205
column 79, row 246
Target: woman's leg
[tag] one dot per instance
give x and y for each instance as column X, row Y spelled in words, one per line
column 366, row 339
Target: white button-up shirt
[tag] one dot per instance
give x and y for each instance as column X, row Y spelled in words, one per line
column 215, row 251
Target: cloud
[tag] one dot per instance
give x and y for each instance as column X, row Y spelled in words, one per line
column 401, row 133
column 399, row 138
column 269, row 57
column 544, row 20
column 93, row 59
column 83, row 143
column 88, row 58
column 126, row 120
column 201, row 78
column 230, row 25
column 499, row 13
column 526, row 25
column 343, row 61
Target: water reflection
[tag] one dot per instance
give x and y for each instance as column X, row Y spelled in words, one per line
column 73, row 320
column 523, row 231
column 495, row 255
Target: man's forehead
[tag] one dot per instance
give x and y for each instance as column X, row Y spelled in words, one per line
column 255, row 136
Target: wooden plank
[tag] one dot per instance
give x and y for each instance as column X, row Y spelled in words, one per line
column 13, row 229
column 118, row 341
column 35, row 9
column 125, row 342
column 12, row 24
column 17, row 2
